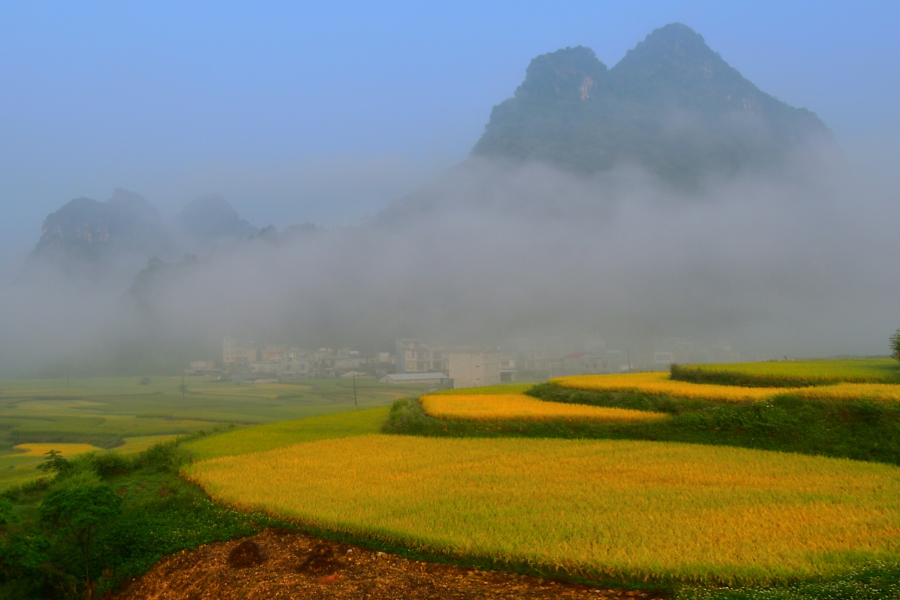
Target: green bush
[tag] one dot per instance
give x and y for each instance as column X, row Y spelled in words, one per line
column 78, row 508
column 107, row 464
column 167, row 457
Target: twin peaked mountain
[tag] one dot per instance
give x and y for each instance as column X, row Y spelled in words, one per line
column 672, row 106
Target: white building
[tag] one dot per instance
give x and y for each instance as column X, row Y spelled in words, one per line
column 415, row 357
column 233, row 353
column 473, row 367
column 507, row 368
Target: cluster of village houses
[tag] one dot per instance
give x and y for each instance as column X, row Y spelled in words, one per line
column 414, row 361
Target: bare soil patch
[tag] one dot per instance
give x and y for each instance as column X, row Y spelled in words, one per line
column 283, row 564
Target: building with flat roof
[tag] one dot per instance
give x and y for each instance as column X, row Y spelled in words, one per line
column 234, row 353
column 415, row 357
column 473, row 367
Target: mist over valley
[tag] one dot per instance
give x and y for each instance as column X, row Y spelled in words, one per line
column 666, row 200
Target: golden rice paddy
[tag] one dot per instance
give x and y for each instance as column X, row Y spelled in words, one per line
column 628, row 510
column 869, row 370
column 659, row 384
column 519, row 407
column 852, row 391
column 63, row 449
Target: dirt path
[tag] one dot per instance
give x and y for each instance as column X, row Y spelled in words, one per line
column 284, row 564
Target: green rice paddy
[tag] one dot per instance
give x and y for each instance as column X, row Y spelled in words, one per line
column 122, row 414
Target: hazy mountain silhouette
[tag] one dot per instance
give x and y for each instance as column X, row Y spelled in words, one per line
column 671, row 105
column 209, row 219
column 95, row 241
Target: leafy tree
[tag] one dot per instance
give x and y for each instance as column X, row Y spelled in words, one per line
column 80, row 507
column 20, row 555
column 6, row 514
column 895, row 345
column 54, row 463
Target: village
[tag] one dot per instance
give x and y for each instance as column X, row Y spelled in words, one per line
column 448, row 367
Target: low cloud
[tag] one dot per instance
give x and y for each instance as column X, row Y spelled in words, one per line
column 799, row 264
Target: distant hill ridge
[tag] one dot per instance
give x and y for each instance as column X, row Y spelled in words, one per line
column 86, row 238
column 671, row 105
column 86, row 228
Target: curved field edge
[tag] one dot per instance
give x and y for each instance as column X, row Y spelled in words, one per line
column 492, row 500
column 519, row 407
column 791, row 373
column 261, row 438
column 661, row 384
column 860, row 430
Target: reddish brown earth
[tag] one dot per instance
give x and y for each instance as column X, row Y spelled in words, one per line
column 284, row 564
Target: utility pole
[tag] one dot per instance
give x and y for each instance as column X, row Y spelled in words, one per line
column 182, row 386
column 354, row 392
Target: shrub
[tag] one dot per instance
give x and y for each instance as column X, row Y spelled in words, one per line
column 166, row 457
column 79, row 507
column 106, row 464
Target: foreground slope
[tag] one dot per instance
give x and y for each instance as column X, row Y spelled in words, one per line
column 632, row 511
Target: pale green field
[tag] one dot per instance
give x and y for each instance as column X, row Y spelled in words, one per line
column 277, row 435
column 627, row 510
column 106, row 412
column 133, row 445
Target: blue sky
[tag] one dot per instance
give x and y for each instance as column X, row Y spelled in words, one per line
column 325, row 111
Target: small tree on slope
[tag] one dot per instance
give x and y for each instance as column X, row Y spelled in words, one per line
column 895, row 345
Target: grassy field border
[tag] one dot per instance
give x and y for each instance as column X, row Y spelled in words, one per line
column 861, row 430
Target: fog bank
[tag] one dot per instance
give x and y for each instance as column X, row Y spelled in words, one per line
column 796, row 264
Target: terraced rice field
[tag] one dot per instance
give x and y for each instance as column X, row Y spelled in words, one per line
column 634, row 511
column 659, row 384
column 519, row 407
column 877, row 370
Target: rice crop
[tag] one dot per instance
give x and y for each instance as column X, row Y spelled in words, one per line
column 278, row 435
column 625, row 510
column 518, row 407
column 801, row 372
column 851, row 391
column 659, row 384
column 63, row 449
